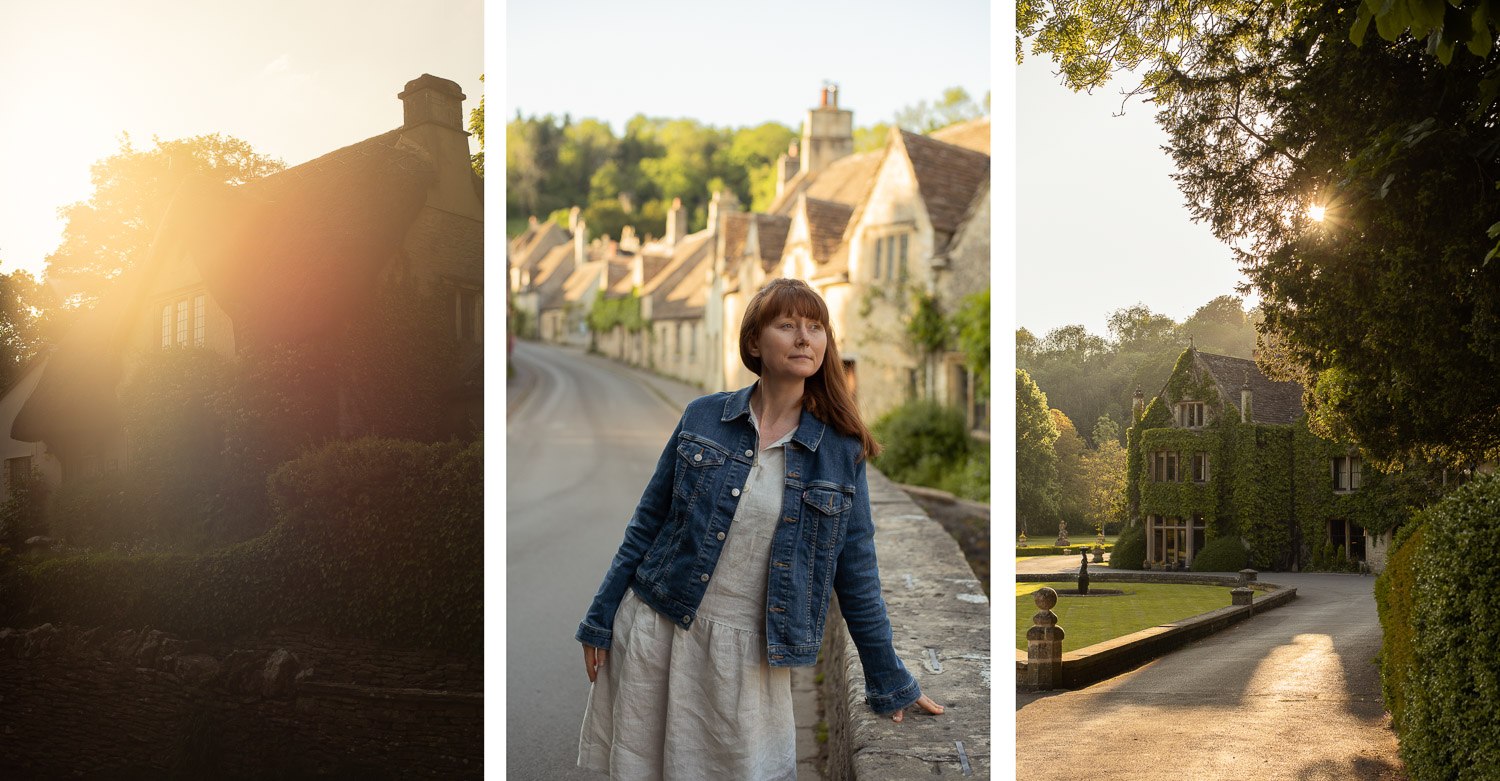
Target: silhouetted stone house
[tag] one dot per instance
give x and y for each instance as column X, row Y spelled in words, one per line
column 291, row 258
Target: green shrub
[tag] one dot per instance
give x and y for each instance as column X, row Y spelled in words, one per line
column 1451, row 687
column 1130, row 549
column 23, row 514
column 1223, row 554
column 1052, row 550
column 375, row 538
column 928, row 444
column 1394, row 591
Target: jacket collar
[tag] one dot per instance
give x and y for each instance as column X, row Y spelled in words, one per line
column 809, row 428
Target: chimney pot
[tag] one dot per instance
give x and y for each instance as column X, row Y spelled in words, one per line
column 428, row 98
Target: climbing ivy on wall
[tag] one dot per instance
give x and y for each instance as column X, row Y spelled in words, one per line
column 1187, row 383
column 610, row 312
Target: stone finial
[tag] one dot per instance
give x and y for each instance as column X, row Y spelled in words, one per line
column 1241, row 596
column 1247, row 575
column 1138, row 403
column 1044, row 644
column 1245, row 416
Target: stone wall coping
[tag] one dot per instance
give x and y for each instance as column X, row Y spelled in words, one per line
column 1097, row 662
column 476, row 699
column 940, row 622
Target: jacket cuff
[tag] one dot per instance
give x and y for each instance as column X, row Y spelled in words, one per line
column 890, row 703
column 594, row 636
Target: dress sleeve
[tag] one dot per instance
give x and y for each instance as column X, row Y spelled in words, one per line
column 650, row 514
column 856, row 581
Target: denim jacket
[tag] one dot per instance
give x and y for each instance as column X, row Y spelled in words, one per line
column 824, row 544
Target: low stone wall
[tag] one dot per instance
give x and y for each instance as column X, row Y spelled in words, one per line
column 940, row 619
column 1097, row 662
column 147, row 704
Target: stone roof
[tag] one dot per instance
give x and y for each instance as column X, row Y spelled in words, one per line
column 582, row 283
column 682, row 294
column 529, row 247
column 845, row 180
column 550, row 274
column 826, row 221
column 974, row 134
column 948, row 176
column 770, row 232
column 1270, row 401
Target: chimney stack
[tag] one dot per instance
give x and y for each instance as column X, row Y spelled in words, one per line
column 723, row 202
column 628, row 241
column 786, row 167
column 428, row 98
column 580, row 243
column 1245, row 416
column 1138, row 404
column 676, row 223
column 828, row 133
column 574, row 215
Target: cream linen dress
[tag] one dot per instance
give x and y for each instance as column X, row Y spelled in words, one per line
column 703, row 703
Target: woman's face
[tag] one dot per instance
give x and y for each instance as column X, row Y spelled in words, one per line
column 790, row 347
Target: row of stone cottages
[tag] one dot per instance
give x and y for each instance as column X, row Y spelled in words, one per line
column 294, row 257
column 1223, row 449
column 867, row 231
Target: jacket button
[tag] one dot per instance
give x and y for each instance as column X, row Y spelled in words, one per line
column 703, row 577
column 735, row 492
column 687, row 619
column 749, row 453
column 697, row 456
column 721, row 535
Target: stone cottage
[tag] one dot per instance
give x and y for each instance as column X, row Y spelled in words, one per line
column 291, row 258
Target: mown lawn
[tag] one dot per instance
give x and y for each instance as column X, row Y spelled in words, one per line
column 1089, row 620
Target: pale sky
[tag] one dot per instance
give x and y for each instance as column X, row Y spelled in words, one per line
column 295, row 79
column 1100, row 224
column 735, row 65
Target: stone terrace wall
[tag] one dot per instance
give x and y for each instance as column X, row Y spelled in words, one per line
column 940, row 619
column 147, row 704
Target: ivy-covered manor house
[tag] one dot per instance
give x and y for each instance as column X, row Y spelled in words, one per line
column 1224, row 450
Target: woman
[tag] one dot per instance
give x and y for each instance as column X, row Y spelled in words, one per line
column 757, row 513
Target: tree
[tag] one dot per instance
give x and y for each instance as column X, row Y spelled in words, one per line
column 112, row 231
column 972, row 322
column 1103, row 477
column 476, row 126
column 1105, row 431
column 28, row 320
column 1071, row 485
column 1036, row 460
column 953, row 107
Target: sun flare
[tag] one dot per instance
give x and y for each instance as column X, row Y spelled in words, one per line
column 1316, row 212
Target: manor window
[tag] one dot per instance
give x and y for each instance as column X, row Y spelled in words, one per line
column 1200, row 467
column 1190, row 414
column 1346, row 473
column 1164, row 467
column 184, row 321
column 878, row 244
column 902, row 267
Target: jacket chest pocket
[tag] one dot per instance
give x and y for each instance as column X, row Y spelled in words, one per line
column 697, row 462
column 824, row 511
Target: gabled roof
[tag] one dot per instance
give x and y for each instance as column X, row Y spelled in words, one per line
column 682, row 291
column 845, row 180
column 1270, row 401
column 550, row 274
column 581, row 284
column 948, row 176
column 770, row 237
column 973, row 134
column 529, row 247
column 826, row 221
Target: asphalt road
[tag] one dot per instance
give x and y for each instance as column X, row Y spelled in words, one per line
column 581, row 442
column 1289, row 694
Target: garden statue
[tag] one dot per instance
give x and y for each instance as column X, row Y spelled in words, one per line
column 1062, row 534
column 1022, row 543
column 1083, row 573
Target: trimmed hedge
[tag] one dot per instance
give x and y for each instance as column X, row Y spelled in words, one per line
column 1451, row 684
column 1053, row 550
column 1394, row 591
column 1222, row 554
column 380, row 539
column 1130, row 549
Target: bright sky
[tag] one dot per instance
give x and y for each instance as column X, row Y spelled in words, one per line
column 730, row 64
column 295, row 79
column 1100, row 223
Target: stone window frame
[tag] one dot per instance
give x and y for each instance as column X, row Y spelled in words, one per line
column 1164, row 463
column 891, row 261
column 1200, row 457
column 1192, row 414
column 1346, row 473
column 184, row 319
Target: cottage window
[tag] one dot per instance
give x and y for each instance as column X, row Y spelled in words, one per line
column 677, row 342
column 878, row 242
column 17, row 470
column 1346, row 473
column 1164, row 467
column 1190, row 414
column 902, row 272
column 692, row 343
column 184, row 321
column 1200, row 467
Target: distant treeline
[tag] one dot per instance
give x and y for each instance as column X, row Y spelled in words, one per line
column 1087, row 376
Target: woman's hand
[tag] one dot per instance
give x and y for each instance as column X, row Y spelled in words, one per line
column 926, row 704
column 593, row 659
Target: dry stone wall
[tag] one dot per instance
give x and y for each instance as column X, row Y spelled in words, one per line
column 291, row 704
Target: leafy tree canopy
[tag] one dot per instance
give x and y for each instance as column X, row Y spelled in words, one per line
column 112, row 231
column 1036, row 458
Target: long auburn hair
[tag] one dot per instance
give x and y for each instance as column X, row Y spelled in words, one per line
column 826, row 394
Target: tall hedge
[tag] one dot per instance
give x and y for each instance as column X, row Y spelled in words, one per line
column 1451, row 686
column 374, row 538
column 1394, row 591
column 1130, row 549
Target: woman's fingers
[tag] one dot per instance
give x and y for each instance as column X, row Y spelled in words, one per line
column 926, row 703
column 593, row 659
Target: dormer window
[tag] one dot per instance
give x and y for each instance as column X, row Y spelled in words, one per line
column 890, row 256
column 1190, row 414
column 184, row 321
